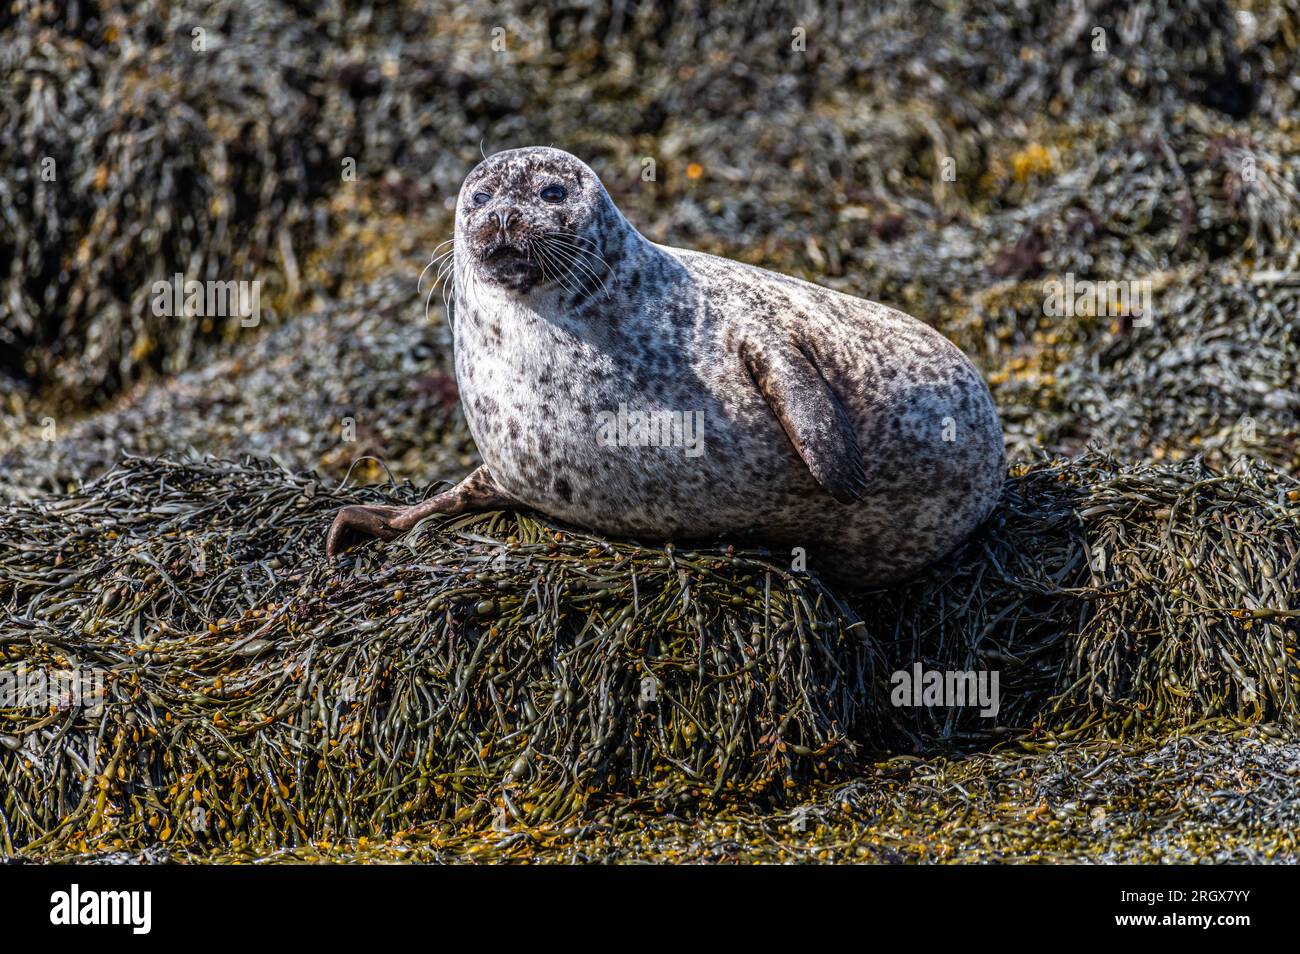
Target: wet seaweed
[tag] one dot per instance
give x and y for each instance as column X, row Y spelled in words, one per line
column 498, row 669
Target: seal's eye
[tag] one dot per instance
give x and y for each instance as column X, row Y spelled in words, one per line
column 553, row 193
column 481, row 197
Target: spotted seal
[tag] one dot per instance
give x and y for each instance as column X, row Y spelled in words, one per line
column 656, row 392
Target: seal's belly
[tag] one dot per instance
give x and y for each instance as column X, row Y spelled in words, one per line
column 593, row 445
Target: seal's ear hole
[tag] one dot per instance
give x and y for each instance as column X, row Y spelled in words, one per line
column 552, row 193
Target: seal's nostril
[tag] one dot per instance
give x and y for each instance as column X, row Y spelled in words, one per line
column 505, row 217
column 503, row 220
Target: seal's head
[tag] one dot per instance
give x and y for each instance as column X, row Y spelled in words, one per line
column 531, row 217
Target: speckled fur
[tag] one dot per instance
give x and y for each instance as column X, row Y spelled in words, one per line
column 678, row 330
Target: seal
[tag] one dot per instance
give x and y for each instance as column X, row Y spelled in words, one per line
column 654, row 392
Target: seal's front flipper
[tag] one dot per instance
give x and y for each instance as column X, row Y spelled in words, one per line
column 478, row 491
column 813, row 417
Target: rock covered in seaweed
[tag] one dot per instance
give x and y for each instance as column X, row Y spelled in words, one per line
column 495, row 666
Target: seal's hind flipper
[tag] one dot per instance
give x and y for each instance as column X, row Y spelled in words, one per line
column 812, row 416
column 357, row 523
column 478, row 491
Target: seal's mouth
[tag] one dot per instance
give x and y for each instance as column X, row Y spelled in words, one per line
column 509, row 264
column 501, row 252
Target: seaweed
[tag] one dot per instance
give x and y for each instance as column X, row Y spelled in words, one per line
column 499, row 669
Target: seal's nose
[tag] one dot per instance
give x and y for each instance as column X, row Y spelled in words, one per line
column 505, row 217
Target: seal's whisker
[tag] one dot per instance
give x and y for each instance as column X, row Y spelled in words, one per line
column 573, row 252
column 447, row 278
column 429, row 299
column 433, row 261
column 566, row 240
column 566, row 262
column 473, row 283
column 580, row 250
column 559, row 277
column 448, row 261
column 575, row 240
column 446, row 271
column 570, row 256
column 438, row 249
column 574, row 281
column 541, row 262
column 447, row 299
column 446, row 266
column 419, row 282
column 439, row 263
column 574, row 236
